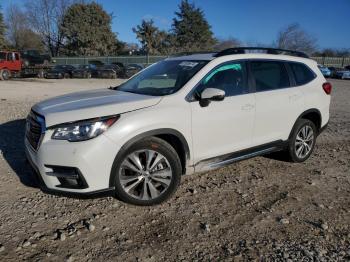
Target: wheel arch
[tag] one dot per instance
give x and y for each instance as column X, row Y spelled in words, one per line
column 169, row 135
column 313, row 115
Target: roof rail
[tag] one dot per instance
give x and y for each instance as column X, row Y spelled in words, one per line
column 192, row 53
column 265, row 50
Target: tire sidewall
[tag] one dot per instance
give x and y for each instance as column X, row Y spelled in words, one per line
column 163, row 148
column 5, row 74
column 291, row 148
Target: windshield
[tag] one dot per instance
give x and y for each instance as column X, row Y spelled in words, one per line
column 2, row 55
column 163, row 78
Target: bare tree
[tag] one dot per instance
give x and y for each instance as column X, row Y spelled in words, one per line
column 295, row 38
column 226, row 43
column 19, row 34
column 45, row 17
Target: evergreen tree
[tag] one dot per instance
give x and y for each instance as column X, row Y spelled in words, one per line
column 153, row 40
column 191, row 30
column 87, row 30
column 2, row 30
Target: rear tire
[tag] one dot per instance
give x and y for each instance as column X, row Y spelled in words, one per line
column 302, row 141
column 147, row 173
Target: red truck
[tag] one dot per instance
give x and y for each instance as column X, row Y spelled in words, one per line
column 11, row 65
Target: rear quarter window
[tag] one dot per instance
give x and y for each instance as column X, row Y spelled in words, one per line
column 269, row 75
column 302, row 73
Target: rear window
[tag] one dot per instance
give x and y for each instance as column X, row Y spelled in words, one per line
column 269, row 75
column 302, row 73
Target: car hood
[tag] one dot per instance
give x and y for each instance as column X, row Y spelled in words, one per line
column 91, row 104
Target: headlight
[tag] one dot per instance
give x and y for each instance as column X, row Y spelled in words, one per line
column 83, row 130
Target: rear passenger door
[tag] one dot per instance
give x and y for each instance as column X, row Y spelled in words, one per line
column 278, row 103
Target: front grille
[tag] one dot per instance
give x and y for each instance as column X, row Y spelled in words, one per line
column 35, row 128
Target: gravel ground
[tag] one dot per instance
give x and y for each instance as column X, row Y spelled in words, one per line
column 259, row 209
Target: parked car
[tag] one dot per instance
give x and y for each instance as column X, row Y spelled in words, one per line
column 334, row 71
column 109, row 71
column 324, row 70
column 132, row 69
column 33, row 57
column 97, row 63
column 121, row 70
column 347, row 67
column 179, row 116
column 60, row 71
column 342, row 74
column 85, row 71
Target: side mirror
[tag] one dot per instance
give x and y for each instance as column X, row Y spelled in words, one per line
column 213, row 94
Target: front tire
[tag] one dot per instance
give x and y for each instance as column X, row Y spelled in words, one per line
column 147, row 173
column 302, row 141
column 5, row 74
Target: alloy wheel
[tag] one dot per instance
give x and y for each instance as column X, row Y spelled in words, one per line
column 304, row 141
column 145, row 174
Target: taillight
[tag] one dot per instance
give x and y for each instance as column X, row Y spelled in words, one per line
column 327, row 87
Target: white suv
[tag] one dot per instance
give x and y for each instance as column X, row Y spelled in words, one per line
column 182, row 115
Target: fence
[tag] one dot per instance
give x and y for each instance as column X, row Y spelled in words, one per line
column 333, row 61
column 146, row 60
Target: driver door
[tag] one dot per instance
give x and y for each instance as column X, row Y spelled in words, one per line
column 223, row 127
column 14, row 63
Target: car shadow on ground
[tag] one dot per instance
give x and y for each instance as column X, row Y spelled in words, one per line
column 12, row 148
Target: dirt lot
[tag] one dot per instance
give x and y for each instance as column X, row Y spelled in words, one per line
column 256, row 209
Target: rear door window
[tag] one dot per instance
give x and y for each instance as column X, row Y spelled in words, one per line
column 302, row 73
column 269, row 75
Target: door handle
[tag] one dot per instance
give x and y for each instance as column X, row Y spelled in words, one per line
column 247, row 107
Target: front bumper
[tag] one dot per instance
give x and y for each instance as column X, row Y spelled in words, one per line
column 93, row 159
column 79, row 75
column 53, row 76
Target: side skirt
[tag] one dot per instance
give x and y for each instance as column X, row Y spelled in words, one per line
column 227, row 159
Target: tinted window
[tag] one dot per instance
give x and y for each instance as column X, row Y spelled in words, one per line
column 302, row 73
column 269, row 75
column 229, row 77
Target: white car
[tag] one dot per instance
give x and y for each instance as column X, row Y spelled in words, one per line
column 179, row 116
